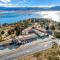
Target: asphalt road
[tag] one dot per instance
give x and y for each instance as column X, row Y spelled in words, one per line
column 27, row 49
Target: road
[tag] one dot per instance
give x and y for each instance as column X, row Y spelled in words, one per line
column 27, row 49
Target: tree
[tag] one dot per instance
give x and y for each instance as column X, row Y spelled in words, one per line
column 1, row 38
column 58, row 26
column 2, row 32
column 57, row 34
column 52, row 27
column 12, row 31
column 9, row 32
column 47, row 27
column 58, row 23
column 18, row 30
column 26, row 23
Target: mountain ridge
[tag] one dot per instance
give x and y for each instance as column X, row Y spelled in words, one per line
column 29, row 8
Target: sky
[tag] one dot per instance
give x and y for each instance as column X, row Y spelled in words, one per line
column 26, row 3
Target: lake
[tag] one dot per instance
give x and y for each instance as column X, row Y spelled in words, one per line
column 12, row 17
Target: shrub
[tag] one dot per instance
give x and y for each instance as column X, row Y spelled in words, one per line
column 9, row 32
column 52, row 27
column 47, row 27
column 18, row 30
column 36, row 54
column 54, row 45
column 2, row 32
column 59, row 24
column 12, row 31
column 57, row 34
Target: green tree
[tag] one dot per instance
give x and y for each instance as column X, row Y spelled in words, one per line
column 58, row 23
column 52, row 27
column 9, row 32
column 1, row 38
column 2, row 32
column 18, row 30
column 57, row 34
column 12, row 31
column 47, row 27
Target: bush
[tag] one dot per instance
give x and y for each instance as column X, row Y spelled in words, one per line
column 52, row 27
column 36, row 54
column 54, row 45
column 57, row 34
column 47, row 27
column 12, row 31
column 9, row 32
column 2, row 32
column 18, row 30
column 1, row 39
column 59, row 24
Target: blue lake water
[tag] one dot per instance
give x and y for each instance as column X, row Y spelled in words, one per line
column 12, row 17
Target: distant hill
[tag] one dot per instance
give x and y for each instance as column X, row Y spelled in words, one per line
column 55, row 8
column 21, row 8
column 29, row 8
